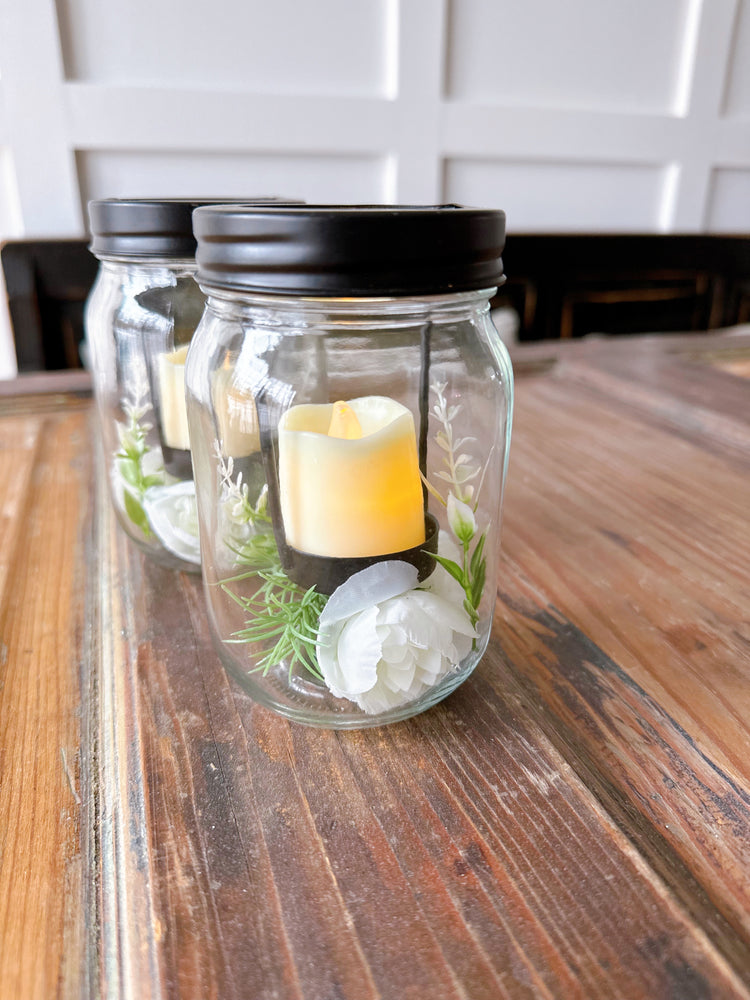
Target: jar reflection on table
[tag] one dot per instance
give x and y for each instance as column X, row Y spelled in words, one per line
column 350, row 453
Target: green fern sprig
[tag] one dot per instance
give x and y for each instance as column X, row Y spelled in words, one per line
column 283, row 616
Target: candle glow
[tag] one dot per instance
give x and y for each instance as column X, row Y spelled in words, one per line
column 349, row 478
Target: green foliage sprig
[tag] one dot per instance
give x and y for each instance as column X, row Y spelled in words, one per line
column 471, row 574
column 458, row 471
column 280, row 616
column 283, row 616
column 130, row 462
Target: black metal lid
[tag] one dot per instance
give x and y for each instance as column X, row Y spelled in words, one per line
column 354, row 250
column 143, row 228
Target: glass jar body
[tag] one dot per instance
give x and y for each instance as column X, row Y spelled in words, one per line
column 350, row 458
column 140, row 319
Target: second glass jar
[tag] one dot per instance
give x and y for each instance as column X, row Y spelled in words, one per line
column 140, row 318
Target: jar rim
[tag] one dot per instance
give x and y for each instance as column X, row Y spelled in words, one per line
column 145, row 228
column 349, row 250
column 284, row 300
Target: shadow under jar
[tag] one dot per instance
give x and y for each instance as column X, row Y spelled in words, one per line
column 349, row 405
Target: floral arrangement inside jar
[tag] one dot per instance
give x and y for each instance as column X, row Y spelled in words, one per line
column 349, row 403
column 357, row 586
column 158, row 503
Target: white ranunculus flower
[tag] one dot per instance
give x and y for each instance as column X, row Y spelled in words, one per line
column 172, row 513
column 382, row 642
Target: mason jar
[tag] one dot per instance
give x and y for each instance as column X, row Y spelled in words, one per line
column 349, row 406
column 140, row 318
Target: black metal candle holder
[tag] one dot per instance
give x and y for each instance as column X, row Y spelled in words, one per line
column 326, row 573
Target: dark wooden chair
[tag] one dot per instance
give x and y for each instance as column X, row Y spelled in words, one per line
column 570, row 286
column 47, row 283
column 560, row 285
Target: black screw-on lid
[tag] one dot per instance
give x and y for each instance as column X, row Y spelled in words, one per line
column 143, row 228
column 355, row 250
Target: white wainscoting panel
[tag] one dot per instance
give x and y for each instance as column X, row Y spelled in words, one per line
column 114, row 174
column 729, row 209
column 570, row 197
column 579, row 54
column 284, row 47
column 583, row 115
column 737, row 102
column 11, row 220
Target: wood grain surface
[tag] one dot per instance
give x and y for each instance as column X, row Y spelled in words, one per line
column 45, row 474
column 574, row 822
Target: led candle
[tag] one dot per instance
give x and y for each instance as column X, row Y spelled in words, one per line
column 173, row 412
column 236, row 416
column 349, row 478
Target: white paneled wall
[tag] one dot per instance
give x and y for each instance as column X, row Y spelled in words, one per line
column 587, row 115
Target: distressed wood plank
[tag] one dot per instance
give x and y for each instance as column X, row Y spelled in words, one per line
column 624, row 605
column 45, row 472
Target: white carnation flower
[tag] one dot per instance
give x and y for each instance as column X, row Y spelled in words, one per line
column 382, row 643
column 172, row 512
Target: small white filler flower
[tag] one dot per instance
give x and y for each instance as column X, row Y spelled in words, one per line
column 461, row 519
column 382, row 643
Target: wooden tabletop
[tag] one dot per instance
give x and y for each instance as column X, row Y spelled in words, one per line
column 573, row 822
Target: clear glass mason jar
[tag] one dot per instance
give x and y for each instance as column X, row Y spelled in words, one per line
column 349, row 404
column 140, row 318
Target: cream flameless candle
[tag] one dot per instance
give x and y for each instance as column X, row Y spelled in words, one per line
column 236, row 416
column 174, row 426
column 349, row 478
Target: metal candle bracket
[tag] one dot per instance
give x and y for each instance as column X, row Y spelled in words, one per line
column 326, row 573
